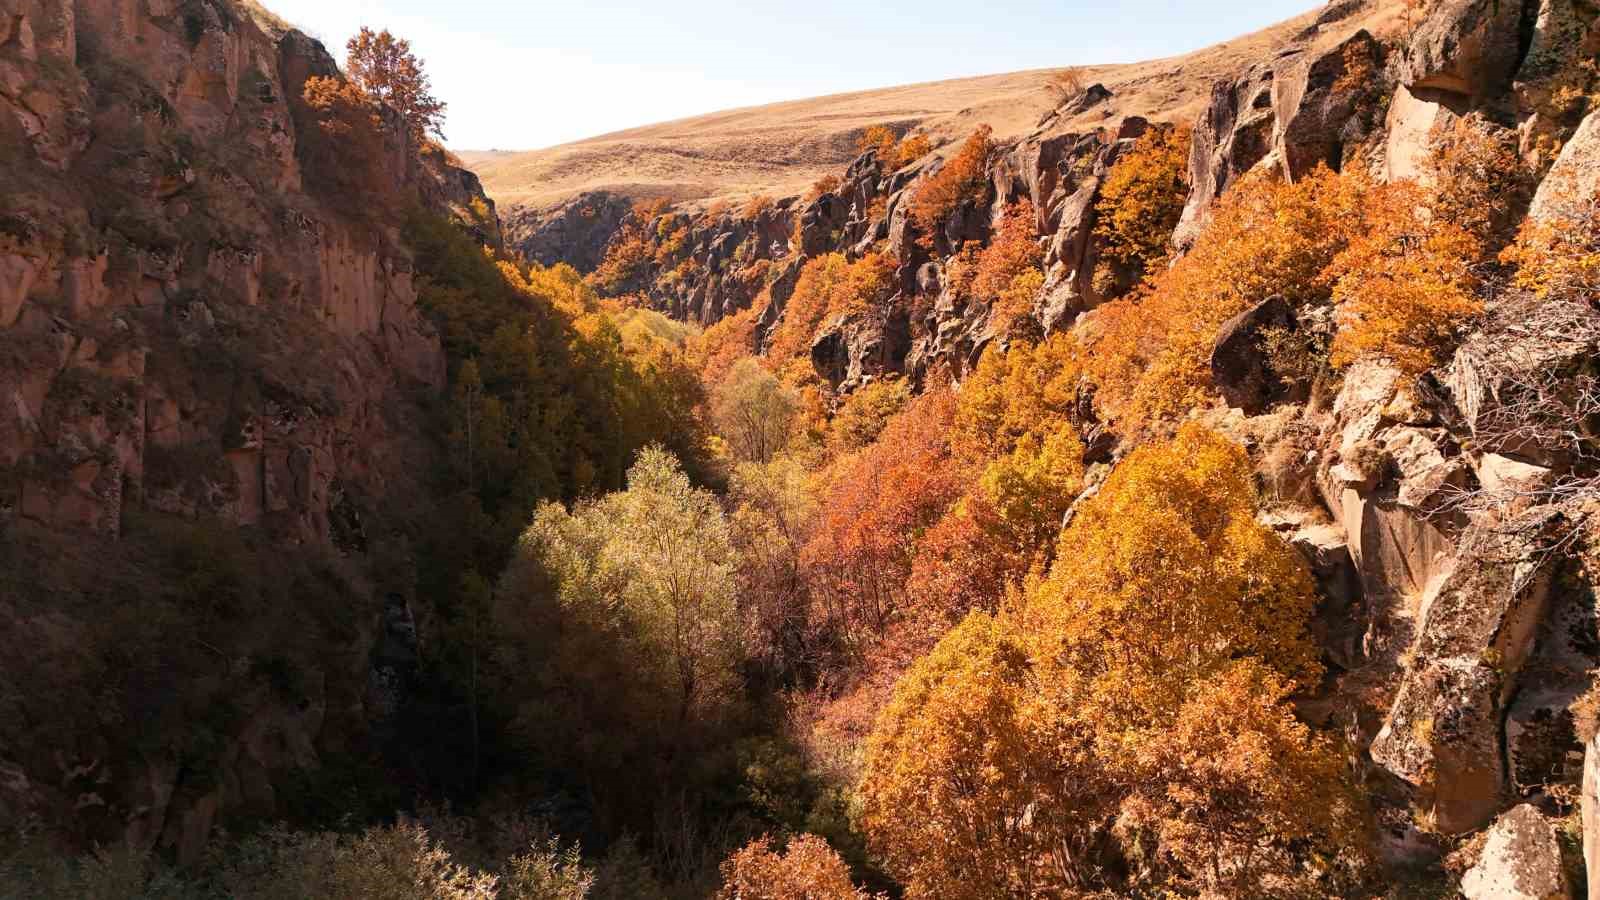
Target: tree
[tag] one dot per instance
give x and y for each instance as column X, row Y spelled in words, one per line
column 807, row 869
column 753, row 412
column 620, row 638
column 384, row 67
column 829, row 286
column 1165, row 576
column 1405, row 286
column 970, row 790
column 960, row 180
column 1139, row 206
column 1067, row 84
column 880, row 502
column 1267, row 237
column 1237, row 781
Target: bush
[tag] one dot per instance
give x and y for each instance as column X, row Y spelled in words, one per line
column 960, row 179
column 1139, row 206
column 829, row 286
column 807, row 869
column 1013, row 251
column 1405, row 286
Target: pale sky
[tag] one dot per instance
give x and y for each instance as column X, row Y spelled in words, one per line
column 524, row 74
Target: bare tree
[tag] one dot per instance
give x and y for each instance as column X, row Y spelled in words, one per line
column 1067, row 84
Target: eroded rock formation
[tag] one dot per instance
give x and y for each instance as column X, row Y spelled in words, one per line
column 200, row 320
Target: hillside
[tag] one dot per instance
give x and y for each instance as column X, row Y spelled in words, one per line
column 1190, row 491
column 781, row 148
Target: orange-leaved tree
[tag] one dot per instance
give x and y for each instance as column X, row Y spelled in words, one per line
column 1007, row 274
column 1130, row 705
column 384, row 66
column 879, row 504
column 806, row 869
column 972, row 788
column 1150, row 358
column 960, row 179
column 1139, row 206
column 829, row 286
column 1406, row 284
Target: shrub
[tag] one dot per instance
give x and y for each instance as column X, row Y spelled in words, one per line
column 1067, row 84
column 877, row 137
column 756, row 206
column 827, row 184
column 1012, row 251
column 1405, row 285
column 344, row 145
column 910, row 149
column 1140, row 204
column 1477, row 180
column 1559, row 254
column 961, row 179
column 807, row 869
column 829, row 286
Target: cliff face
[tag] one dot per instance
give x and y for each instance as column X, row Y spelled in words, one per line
column 200, row 322
column 1457, row 638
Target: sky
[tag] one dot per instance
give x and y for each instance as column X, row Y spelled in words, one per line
column 526, row 74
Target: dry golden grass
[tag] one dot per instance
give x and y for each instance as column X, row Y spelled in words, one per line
column 783, row 148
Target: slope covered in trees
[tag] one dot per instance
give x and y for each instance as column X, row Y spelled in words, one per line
column 1128, row 510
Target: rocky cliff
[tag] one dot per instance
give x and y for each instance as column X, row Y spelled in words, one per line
column 213, row 387
column 1437, row 516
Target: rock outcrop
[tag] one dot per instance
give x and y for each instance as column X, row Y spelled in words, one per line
column 574, row 232
column 208, row 327
column 1521, row 861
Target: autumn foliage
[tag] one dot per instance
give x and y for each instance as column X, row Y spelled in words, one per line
column 1141, row 682
column 807, row 869
column 384, row 67
column 1406, row 284
column 829, row 286
column 1267, row 237
column 960, row 179
column 895, row 152
column 1007, row 272
column 1139, row 206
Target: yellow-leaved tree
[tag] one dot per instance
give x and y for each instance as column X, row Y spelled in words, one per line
column 972, row 789
column 1132, row 705
column 807, row 869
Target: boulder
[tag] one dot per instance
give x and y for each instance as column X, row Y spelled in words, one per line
column 1240, row 367
column 1465, row 48
column 1443, row 733
column 1521, row 860
column 1415, row 116
column 1575, row 177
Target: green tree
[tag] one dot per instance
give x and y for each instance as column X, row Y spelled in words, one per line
column 621, row 627
column 753, row 411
